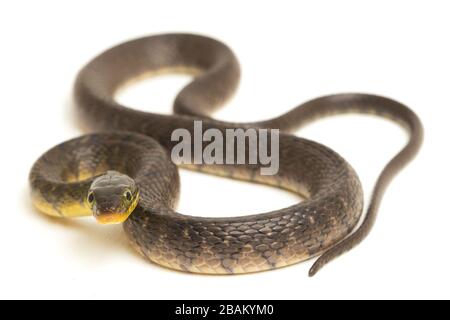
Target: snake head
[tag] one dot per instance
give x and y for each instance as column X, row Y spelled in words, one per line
column 112, row 197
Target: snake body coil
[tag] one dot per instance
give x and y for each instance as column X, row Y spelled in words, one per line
column 320, row 225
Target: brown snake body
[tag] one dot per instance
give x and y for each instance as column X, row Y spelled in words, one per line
column 323, row 224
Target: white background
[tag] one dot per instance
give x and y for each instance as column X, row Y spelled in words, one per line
column 290, row 52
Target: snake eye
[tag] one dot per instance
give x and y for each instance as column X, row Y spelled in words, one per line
column 90, row 198
column 128, row 195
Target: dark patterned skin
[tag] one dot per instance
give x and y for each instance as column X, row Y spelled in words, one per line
column 259, row 242
column 322, row 224
column 211, row 245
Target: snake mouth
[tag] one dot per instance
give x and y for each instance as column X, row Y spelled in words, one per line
column 111, row 218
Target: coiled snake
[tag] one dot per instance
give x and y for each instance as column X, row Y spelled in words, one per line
column 123, row 173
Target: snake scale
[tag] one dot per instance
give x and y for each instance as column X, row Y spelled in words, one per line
column 122, row 171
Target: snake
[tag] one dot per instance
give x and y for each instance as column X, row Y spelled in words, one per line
column 121, row 171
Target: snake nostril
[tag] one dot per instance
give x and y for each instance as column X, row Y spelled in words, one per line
column 109, row 209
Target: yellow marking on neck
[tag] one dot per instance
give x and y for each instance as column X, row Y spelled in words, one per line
column 69, row 209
